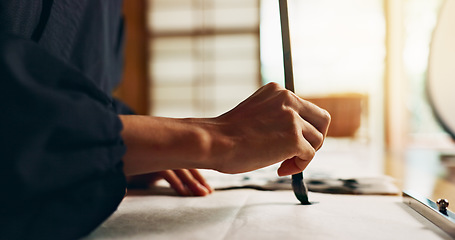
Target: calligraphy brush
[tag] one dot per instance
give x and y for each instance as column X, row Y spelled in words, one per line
column 298, row 185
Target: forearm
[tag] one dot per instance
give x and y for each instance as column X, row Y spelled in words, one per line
column 155, row 144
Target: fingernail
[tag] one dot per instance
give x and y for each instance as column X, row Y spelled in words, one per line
column 207, row 187
column 206, row 191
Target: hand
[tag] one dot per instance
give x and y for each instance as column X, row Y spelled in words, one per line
column 273, row 125
column 184, row 182
column 270, row 126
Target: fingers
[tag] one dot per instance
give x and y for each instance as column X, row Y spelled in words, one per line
column 292, row 166
column 197, row 175
column 316, row 120
column 187, row 182
column 310, row 141
column 311, row 113
column 175, row 183
column 271, row 125
column 193, row 182
column 312, row 135
column 315, row 115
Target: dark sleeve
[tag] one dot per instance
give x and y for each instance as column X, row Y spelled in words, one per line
column 60, row 161
column 122, row 108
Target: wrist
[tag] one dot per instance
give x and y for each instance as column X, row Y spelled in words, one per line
column 214, row 143
column 155, row 144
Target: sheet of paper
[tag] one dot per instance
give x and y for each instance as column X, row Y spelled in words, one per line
column 252, row 214
column 266, row 179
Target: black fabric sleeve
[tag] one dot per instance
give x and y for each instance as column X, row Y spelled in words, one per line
column 60, row 161
column 122, row 108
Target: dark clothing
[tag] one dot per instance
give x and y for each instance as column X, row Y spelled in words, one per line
column 60, row 157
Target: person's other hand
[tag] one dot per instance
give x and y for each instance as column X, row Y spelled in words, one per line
column 186, row 182
column 272, row 125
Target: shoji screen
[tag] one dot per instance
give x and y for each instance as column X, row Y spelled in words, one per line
column 204, row 55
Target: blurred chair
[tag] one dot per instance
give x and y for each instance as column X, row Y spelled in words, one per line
column 348, row 112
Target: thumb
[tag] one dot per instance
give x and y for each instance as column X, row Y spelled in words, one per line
column 292, row 166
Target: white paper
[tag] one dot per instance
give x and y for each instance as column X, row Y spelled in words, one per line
column 252, row 214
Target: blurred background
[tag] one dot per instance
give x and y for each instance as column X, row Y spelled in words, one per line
column 365, row 61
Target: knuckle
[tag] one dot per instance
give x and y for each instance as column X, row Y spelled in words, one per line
column 274, row 86
column 296, row 135
column 291, row 120
column 307, row 152
column 285, row 95
column 310, row 152
column 305, row 149
column 288, row 114
column 319, row 138
column 326, row 116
